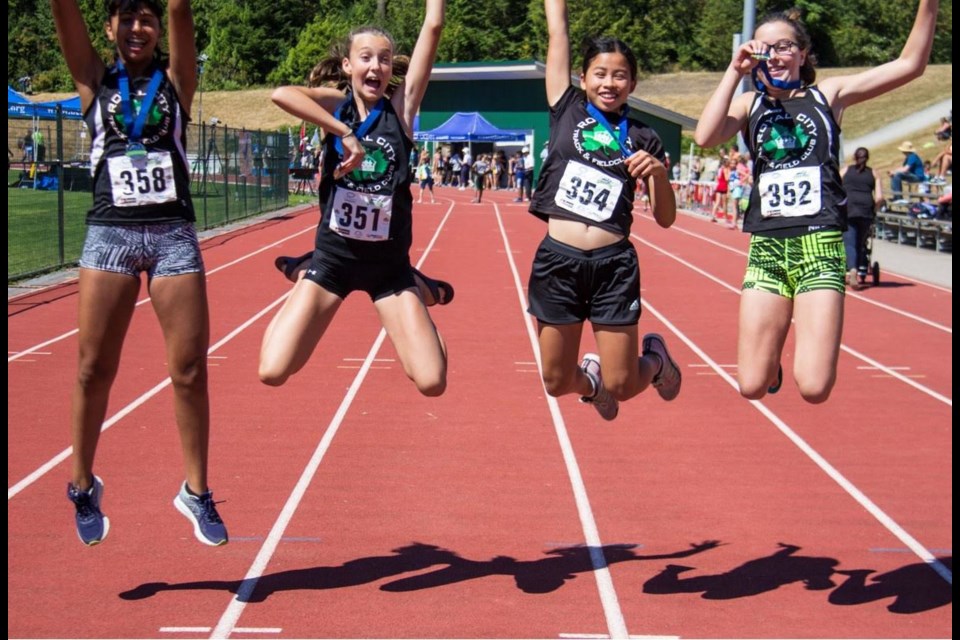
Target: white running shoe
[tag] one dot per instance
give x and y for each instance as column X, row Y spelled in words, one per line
column 605, row 404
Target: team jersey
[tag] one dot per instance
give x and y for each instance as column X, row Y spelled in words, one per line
column 795, row 144
column 148, row 189
column 367, row 213
column 584, row 176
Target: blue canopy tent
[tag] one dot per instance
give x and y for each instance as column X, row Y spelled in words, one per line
column 18, row 106
column 468, row 127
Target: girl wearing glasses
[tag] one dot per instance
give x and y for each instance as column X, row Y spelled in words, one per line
column 797, row 211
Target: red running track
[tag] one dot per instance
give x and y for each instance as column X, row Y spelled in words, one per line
column 358, row 508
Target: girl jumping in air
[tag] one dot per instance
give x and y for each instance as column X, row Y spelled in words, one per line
column 586, row 267
column 797, row 211
column 142, row 220
column 363, row 240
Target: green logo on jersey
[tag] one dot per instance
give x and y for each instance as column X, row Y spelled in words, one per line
column 374, row 165
column 599, row 138
column 785, row 142
column 154, row 116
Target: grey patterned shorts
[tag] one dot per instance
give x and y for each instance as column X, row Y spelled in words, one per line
column 159, row 249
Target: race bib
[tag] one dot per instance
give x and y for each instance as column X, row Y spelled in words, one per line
column 790, row 192
column 588, row 192
column 143, row 180
column 361, row 216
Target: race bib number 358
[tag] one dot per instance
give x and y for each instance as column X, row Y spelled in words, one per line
column 790, row 192
column 140, row 181
column 361, row 216
column 588, row 192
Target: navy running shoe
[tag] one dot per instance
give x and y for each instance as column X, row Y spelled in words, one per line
column 202, row 512
column 92, row 525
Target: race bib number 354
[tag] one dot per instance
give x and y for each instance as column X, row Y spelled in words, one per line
column 361, row 216
column 141, row 181
column 790, row 192
column 588, row 192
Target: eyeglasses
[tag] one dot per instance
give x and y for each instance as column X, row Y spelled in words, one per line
column 784, row 47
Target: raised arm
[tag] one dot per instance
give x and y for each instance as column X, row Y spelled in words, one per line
column 421, row 64
column 317, row 105
column 844, row 91
column 183, row 51
column 725, row 115
column 84, row 63
column 558, row 50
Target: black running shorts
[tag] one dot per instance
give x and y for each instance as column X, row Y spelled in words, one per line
column 569, row 285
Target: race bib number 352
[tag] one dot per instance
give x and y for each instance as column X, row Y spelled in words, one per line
column 588, row 192
column 790, row 192
column 361, row 216
column 141, row 181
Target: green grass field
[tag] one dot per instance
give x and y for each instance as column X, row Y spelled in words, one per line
column 35, row 243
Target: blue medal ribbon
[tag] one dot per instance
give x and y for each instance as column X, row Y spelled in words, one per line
column 364, row 127
column 620, row 134
column 134, row 126
column 786, row 85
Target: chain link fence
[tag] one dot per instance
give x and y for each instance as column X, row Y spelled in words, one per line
column 234, row 174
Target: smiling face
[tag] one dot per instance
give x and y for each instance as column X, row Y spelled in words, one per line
column 786, row 56
column 136, row 33
column 608, row 81
column 369, row 65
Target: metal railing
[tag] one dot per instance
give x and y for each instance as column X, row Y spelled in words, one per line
column 234, row 174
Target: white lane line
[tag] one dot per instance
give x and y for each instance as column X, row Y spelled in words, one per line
column 63, row 455
column 856, row 354
column 228, row 621
column 64, row 336
column 886, row 521
column 616, row 624
column 858, row 296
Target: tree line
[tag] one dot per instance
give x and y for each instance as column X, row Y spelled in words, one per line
column 272, row 42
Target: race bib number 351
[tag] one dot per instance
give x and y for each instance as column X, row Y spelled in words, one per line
column 588, row 192
column 140, row 181
column 361, row 216
column 790, row 192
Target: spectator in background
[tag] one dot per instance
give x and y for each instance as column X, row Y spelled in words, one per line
column 864, row 196
column 465, row 164
column 528, row 166
column 945, row 204
column 425, row 176
column 480, row 170
column 942, row 163
column 39, row 145
column 945, row 130
column 27, row 147
column 544, row 152
column 911, row 171
column 520, row 170
column 720, row 192
column 456, row 165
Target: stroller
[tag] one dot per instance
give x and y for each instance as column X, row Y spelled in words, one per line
column 869, row 268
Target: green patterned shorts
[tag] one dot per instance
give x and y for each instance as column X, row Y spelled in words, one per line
column 791, row 266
